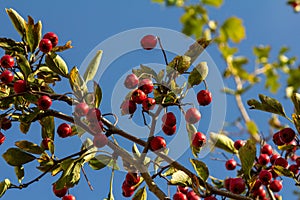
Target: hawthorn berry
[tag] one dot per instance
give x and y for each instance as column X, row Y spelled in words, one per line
column 281, row 162
column 277, row 140
column 273, row 158
column 230, row 164
column 287, row 135
column 191, row 195
column 45, row 143
column 260, row 192
column 52, row 37
column 2, row 138
column 157, row 143
column 93, row 115
column 128, row 107
column 267, row 149
column 59, row 193
column 199, row 139
column 265, row 177
column 127, row 190
column 182, row 189
column 298, row 161
column 6, row 77
column 294, row 169
column 100, row 140
column 237, row 185
column 148, row 104
column 238, row 144
column 64, row 130
column 81, row 109
column 276, row 185
column 132, row 178
column 20, row 86
column 227, row 183
column 192, row 115
column 138, row 96
column 45, row 45
column 256, row 185
column 69, row 197
column 179, row 196
column 210, row 198
column 149, row 42
column 146, row 85
column 7, row 61
column 204, row 97
column 263, row 159
column 44, row 102
column 131, row 81
column 169, row 130
column 5, row 123
column 96, row 127
column 169, row 119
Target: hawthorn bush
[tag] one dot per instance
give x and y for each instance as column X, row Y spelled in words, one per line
column 31, row 67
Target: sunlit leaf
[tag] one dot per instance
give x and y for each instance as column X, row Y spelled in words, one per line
column 77, row 84
column 201, row 169
column 57, row 64
column 247, row 154
column 29, row 147
column 4, row 185
column 233, row 29
column 63, row 48
column 181, row 178
column 17, row 20
column 93, row 66
column 215, row 3
column 33, row 33
column 17, row 157
column 141, row 194
column 19, row 171
column 97, row 94
column 198, row 74
column 100, row 161
column 223, row 142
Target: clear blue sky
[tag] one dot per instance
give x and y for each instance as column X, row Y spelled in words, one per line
column 90, row 22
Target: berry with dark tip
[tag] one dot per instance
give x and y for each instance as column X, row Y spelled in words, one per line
column 128, row 107
column 149, row 42
column 192, row 115
column 131, row 81
column 7, row 61
column 52, row 37
column 138, row 96
column 157, row 143
column 204, row 97
column 45, row 45
column 6, row 77
column 230, row 164
column 199, row 139
column 146, row 85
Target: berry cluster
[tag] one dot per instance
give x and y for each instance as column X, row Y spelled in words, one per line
column 62, row 193
column 183, row 193
column 129, row 184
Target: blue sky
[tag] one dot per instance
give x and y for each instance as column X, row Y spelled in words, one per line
column 90, row 22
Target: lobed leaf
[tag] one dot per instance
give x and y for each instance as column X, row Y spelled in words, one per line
column 247, row 155
column 232, row 29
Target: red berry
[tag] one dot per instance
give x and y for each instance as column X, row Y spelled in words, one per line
column 260, row 192
column 256, row 185
column 6, row 76
column 45, row 143
column 44, row 102
column 192, row 116
column 267, row 149
column 238, row 144
column 7, row 61
column 45, row 45
column 287, row 135
column 298, row 161
column 149, row 104
column 179, row 196
column 169, row 130
column 127, row 190
column 64, row 130
column 182, row 189
column 20, row 86
column 2, row 138
column 294, row 169
column 157, row 143
column 237, row 185
column 148, row 42
column 69, row 197
column 59, row 193
column 191, row 195
column 5, row 123
column 128, row 107
column 276, row 185
column 81, row 109
column 210, row 198
column 93, row 115
column 96, row 127
column 263, row 159
column 265, row 177
column 199, row 139
column 146, row 86
column 138, row 96
column 131, row 81
column 277, row 140
column 273, row 158
column 52, row 37
column 230, row 164
column 204, row 97
column 132, row 178
column 100, row 140
column 169, row 119
column 281, row 162
column 227, row 183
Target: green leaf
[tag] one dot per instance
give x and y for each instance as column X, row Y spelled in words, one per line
column 33, row 33
column 91, row 152
column 24, row 65
column 11, row 46
column 197, row 48
column 180, row 63
column 247, row 155
column 181, row 178
column 97, row 94
column 57, row 64
column 252, row 128
column 77, row 84
column 48, row 127
column 201, row 169
column 19, row 171
column 232, row 29
column 29, row 147
column 262, row 53
column 281, row 171
column 223, row 142
column 4, row 185
column 141, row 194
column 17, row 157
column 215, row 3
column 267, row 104
column 93, row 66
column 296, row 101
column 272, row 80
column 198, row 74
column 191, row 129
column 148, row 70
column 17, row 20
column 100, row 161
column 24, row 127
column 158, row 160
column 170, row 171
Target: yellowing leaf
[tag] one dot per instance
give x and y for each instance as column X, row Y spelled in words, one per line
column 17, row 157
column 92, row 68
column 216, row 3
column 232, row 29
column 57, row 64
column 223, row 142
column 17, row 20
column 201, row 169
column 247, row 155
column 141, row 194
